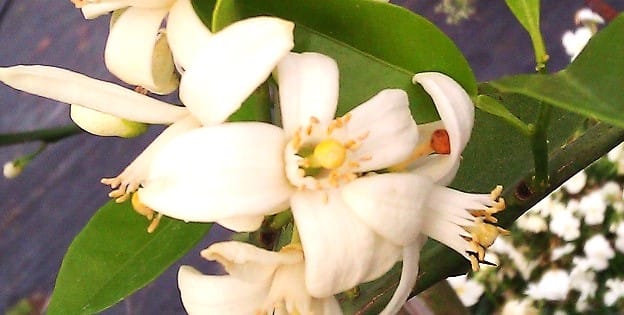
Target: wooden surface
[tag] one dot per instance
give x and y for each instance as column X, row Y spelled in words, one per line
column 44, row 208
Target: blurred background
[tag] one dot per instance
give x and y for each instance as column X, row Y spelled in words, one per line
column 46, row 206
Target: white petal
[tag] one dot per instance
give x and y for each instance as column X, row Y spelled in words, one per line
column 204, row 294
column 308, row 87
column 103, row 124
column 339, row 249
column 391, row 204
column 409, row 275
column 242, row 224
column 138, row 54
column 457, row 112
column 232, row 65
column 248, row 262
column 220, row 172
column 136, row 173
column 74, row 88
column 186, row 33
column 96, row 8
column 390, row 130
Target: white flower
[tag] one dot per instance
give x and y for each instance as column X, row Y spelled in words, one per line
column 565, row 225
column 519, row 307
column 583, row 280
column 611, row 191
column 553, row 285
column 224, row 73
column 615, row 290
column 561, row 251
column 586, row 15
column 503, row 247
column 593, row 207
column 576, row 183
column 598, row 252
column 12, row 169
column 258, row 282
column 575, row 41
column 323, row 169
column 619, row 240
column 469, row 291
column 532, row 222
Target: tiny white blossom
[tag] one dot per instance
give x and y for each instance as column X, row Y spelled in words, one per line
column 611, row 191
column 532, row 222
column 583, row 280
column 575, row 41
column 598, row 252
column 576, row 183
column 469, row 291
column 554, row 285
column 519, row 307
column 586, row 15
column 561, row 251
column 619, row 240
column 565, row 225
column 593, row 207
column 615, row 290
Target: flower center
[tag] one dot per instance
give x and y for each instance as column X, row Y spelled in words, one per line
column 321, row 155
column 329, row 154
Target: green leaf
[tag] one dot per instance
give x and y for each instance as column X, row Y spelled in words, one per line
column 376, row 45
column 528, row 14
column 114, row 256
column 492, row 106
column 591, row 85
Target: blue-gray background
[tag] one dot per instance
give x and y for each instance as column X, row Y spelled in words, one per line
column 44, row 208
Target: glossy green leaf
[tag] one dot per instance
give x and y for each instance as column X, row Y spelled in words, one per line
column 528, row 14
column 376, row 45
column 114, row 256
column 492, row 106
column 591, row 85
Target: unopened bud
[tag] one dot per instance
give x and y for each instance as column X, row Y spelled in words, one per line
column 102, row 124
column 12, row 169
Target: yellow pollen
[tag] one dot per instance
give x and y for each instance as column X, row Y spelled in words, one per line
column 329, row 154
column 141, row 208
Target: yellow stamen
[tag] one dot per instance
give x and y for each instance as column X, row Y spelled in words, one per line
column 154, row 223
column 329, row 154
column 141, row 208
column 79, row 3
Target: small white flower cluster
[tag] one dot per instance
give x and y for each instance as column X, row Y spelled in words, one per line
column 575, row 41
column 563, row 254
column 365, row 189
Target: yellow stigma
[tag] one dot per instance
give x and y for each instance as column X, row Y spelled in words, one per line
column 329, row 154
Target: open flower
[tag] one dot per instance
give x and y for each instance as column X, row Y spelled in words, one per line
column 325, row 170
column 223, row 74
column 259, row 282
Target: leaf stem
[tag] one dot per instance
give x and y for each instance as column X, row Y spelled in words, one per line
column 539, row 146
column 47, row 135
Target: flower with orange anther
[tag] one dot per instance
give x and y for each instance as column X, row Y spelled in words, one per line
column 335, row 174
column 258, row 282
column 222, row 74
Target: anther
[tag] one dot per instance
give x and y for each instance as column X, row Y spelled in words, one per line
column 440, row 142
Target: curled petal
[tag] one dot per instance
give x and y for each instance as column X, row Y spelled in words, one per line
column 409, row 275
column 232, row 65
column 308, row 87
column 74, row 88
column 248, row 262
column 214, row 173
column 137, row 53
column 186, row 33
column 457, row 113
column 391, row 204
column 103, row 124
column 387, row 127
column 205, row 294
column 339, row 249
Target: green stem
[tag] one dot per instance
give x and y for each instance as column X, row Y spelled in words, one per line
column 48, row 135
column 539, row 146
